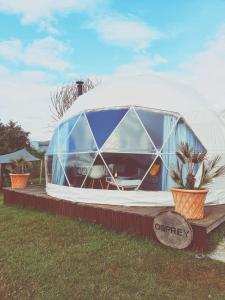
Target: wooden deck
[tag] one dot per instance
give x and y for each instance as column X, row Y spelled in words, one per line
column 133, row 220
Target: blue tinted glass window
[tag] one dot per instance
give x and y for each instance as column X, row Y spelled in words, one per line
column 129, row 136
column 64, row 131
column 103, row 122
column 153, row 122
column 53, row 146
column 169, row 162
column 81, row 138
column 127, row 170
column 54, row 171
column 96, row 177
column 152, row 179
column 77, row 166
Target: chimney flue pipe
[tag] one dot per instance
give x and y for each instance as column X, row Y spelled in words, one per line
column 80, row 87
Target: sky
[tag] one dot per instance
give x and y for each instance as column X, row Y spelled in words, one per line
column 47, row 43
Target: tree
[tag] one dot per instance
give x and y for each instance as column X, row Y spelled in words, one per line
column 63, row 98
column 12, row 138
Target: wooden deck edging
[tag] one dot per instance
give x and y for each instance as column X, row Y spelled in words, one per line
column 132, row 220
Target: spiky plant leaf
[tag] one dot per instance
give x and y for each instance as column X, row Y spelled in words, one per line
column 190, row 182
column 185, row 149
column 211, row 170
column 197, row 158
column 19, row 165
column 220, row 172
column 177, row 175
column 188, row 159
column 180, row 173
column 214, row 162
column 181, row 157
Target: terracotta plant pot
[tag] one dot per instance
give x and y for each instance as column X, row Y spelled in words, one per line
column 19, row 181
column 190, row 203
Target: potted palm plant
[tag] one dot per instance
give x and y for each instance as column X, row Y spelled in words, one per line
column 189, row 198
column 19, row 174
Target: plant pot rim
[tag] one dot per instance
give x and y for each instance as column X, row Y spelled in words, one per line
column 199, row 191
column 19, row 174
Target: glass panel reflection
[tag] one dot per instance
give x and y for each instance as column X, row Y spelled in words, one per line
column 54, row 171
column 153, row 179
column 153, row 123
column 63, row 133
column 81, row 138
column 77, row 166
column 129, row 136
column 53, row 146
column 96, row 177
column 128, row 170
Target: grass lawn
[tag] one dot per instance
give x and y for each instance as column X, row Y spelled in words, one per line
column 49, row 257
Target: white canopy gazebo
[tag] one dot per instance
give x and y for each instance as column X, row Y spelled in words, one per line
column 7, row 158
column 117, row 143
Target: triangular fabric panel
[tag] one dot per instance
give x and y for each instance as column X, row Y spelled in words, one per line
column 81, row 138
column 63, row 133
column 77, row 166
column 169, row 124
column 181, row 133
column 104, row 122
column 169, row 162
column 154, row 124
column 129, row 136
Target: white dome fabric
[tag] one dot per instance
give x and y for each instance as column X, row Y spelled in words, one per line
column 153, row 92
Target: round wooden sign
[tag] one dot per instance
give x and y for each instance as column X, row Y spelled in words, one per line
column 173, row 230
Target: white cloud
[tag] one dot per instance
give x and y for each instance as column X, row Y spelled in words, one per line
column 121, row 31
column 47, row 52
column 26, row 98
column 43, row 11
column 206, row 71
column 3, row 71
column 11, row 49
column 140, row 65
column 48, row 25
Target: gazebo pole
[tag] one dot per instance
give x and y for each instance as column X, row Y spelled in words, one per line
column 41, row 166
column 0, row 175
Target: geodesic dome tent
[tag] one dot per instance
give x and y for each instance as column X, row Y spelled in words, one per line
column 117, row 143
